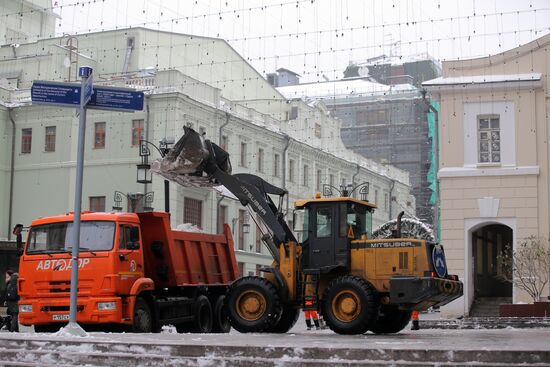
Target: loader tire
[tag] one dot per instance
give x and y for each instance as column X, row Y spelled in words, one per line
column 203, row 315
column 252, row 304
column 350, row 305
column 221, row 321
column 391, row 320
column 143, row 320
column 286, row 322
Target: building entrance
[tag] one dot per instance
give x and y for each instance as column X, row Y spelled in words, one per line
column 488, row 242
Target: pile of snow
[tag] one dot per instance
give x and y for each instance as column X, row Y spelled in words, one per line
column 188, row 227
column 410, row 228
column 168, row 329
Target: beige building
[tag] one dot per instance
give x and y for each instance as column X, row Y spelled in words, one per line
column 494, row 164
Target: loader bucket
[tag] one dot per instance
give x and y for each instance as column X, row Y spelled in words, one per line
column 189, row 162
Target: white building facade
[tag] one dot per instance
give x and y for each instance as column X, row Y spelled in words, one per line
column 262, row 132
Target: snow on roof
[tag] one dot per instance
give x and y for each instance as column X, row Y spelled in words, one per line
column 342, row 87
column 483, row 79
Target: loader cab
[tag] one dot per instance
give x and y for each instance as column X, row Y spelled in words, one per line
column 328, row 227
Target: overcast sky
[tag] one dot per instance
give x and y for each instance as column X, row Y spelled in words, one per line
column 321, row 37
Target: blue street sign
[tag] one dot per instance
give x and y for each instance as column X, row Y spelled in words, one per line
column 438, row 259
column 84, row 71
column 87, row 90
column 107, row 98
column 56, row 93
column 102, row 98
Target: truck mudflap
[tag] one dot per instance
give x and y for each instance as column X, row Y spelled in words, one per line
column 424, row 290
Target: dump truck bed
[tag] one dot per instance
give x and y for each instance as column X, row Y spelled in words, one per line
column 176, row 258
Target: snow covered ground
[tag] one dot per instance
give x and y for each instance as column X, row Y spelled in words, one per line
column 298, row 347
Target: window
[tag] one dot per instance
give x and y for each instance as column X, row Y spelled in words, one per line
column 258, row 267
column 375, row 197
column 386, row 202
column 241, row 268
column 317, row 130
column 276, row 163
column 26, row 141
column 240, row 231
column 99, row 135
column 243, row 155
column 137, row 132
column 318, row 182
column 373, row 117
column 489, row 139
column 49, row 144
column 305, row 180
column 192, row 211
column 222, row 218
column 293, row 115
column 127, row 234
column 97, row 203
column 291, row 170
column 260, row 160
column 331, row 179
column 223, row 142
column 323, row 223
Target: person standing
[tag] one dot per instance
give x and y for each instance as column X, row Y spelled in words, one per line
column 311, row 314
column 415, row 323
column 12, row 299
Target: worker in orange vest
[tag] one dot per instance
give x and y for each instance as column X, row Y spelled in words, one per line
column 415, row 325
column 311, row 314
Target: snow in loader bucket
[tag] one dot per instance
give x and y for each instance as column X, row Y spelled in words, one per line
column 192, row 160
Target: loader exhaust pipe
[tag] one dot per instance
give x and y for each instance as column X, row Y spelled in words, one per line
column 397, row 230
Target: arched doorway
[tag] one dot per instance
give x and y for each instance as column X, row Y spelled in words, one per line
column 490, row 287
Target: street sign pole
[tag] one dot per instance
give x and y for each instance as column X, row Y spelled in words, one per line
column 85, row 94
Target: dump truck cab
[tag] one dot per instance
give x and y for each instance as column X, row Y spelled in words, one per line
column 110, row 263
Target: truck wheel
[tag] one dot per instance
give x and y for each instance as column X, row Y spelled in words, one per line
column 203, row 315
column 286, row 322
column 349, row 305
column 252, row 304
column 143, row 321
column 221, row 321
column 391, row 320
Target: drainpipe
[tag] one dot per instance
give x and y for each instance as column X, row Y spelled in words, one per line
column 436, row 147
column 146, row 130
column 391, row 195
column 287, row 144
column 227, row 117
column 219, row 226
column 353, row 178
column 12, row 170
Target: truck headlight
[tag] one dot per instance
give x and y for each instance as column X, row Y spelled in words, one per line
column 106, row 306
column 25, row 308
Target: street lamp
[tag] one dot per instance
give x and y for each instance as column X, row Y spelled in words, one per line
column 134, row 199
column 144, row 175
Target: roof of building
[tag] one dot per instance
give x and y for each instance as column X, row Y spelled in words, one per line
column 483, row 79
column 343, row 87
column 288, row 71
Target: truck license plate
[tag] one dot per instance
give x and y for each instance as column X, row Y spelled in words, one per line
column 60, row 317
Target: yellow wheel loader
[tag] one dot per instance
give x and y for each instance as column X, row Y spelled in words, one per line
column 356, row 281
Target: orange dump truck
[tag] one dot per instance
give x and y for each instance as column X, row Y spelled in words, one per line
column 135, row 273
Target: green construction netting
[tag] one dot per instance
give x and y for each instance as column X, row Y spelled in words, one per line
column 432, row 172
